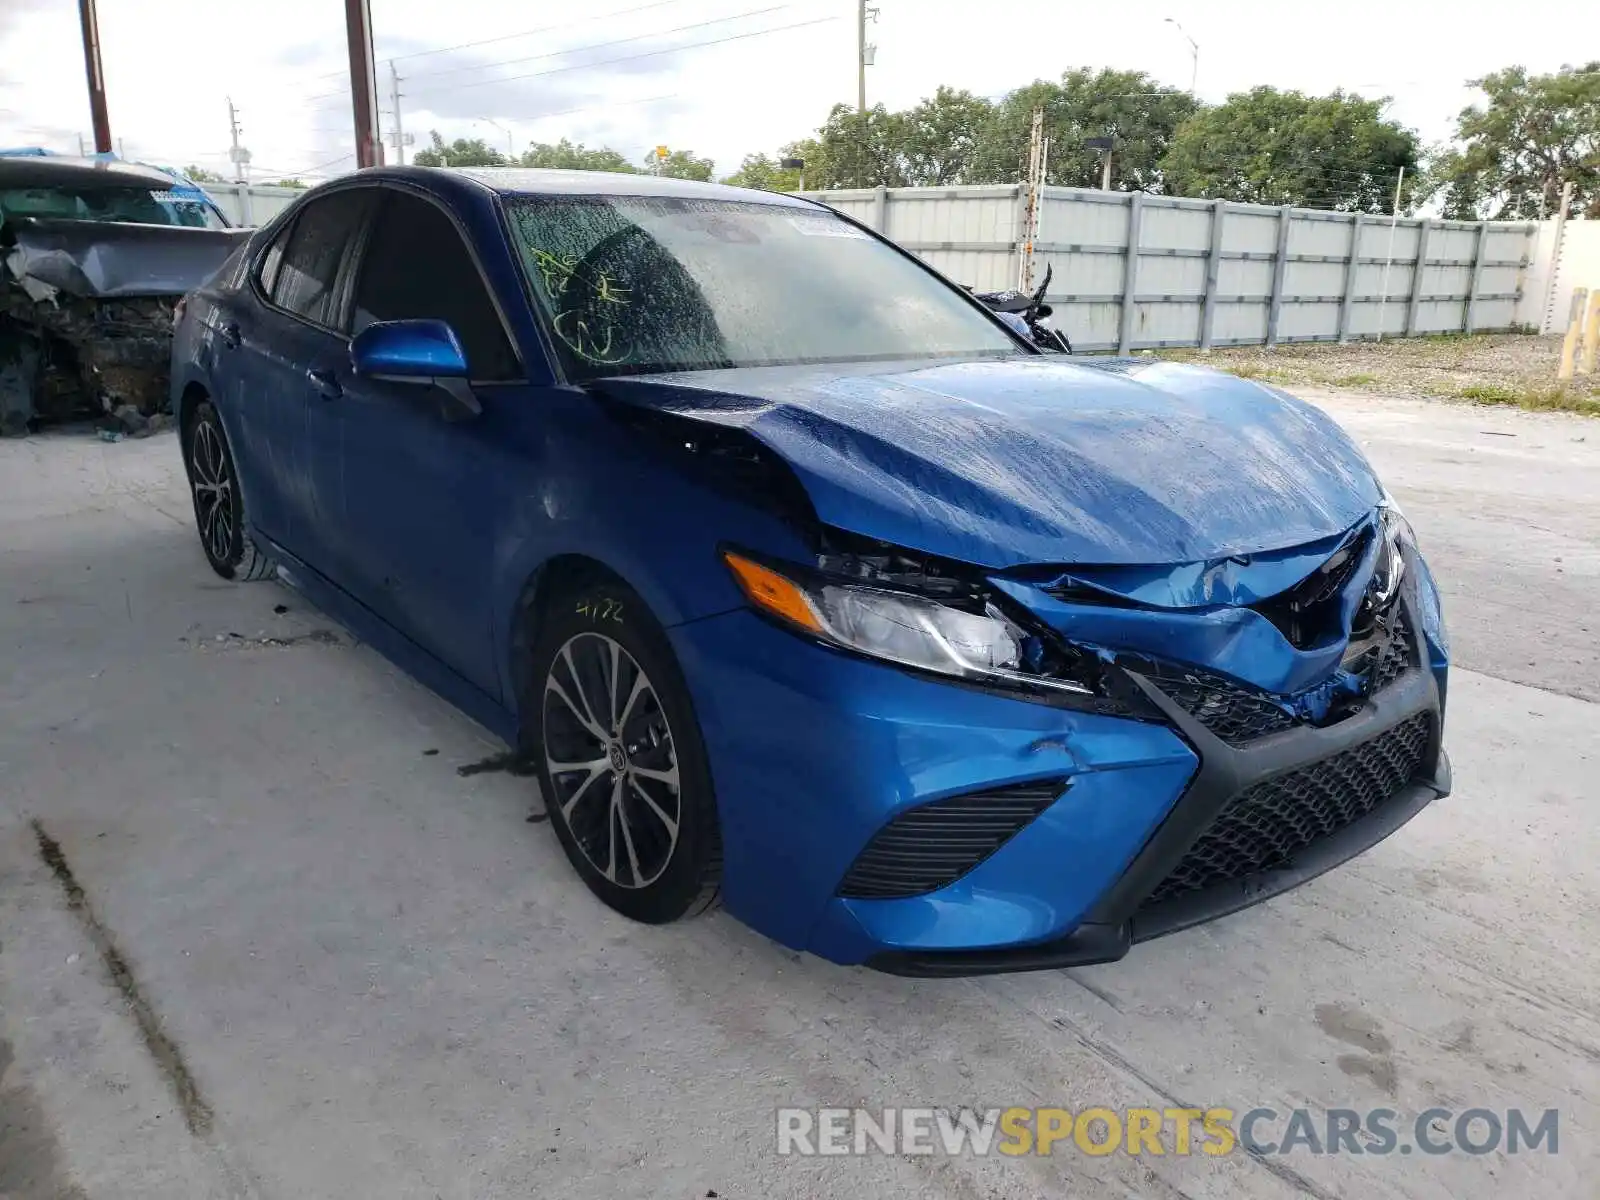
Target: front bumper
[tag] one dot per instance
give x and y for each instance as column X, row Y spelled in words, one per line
column 814, row 752
column 1125, row 913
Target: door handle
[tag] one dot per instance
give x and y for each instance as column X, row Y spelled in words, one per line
column 229, row 333
column 326, row 382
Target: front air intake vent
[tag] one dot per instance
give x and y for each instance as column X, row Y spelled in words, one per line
column 932, row 845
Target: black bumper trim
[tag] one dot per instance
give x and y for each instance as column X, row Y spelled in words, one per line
column 1226, row 770
column 1093, row 943
column 1195, row 908
column 1117, row 922
column 1084, row 945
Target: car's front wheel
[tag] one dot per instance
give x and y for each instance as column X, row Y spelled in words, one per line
column 619, row 756
column 218, row 503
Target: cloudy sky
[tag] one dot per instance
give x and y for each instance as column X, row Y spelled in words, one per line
column 719, row 77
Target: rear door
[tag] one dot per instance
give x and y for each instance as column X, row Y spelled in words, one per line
column 424, row 498
column 286, row 344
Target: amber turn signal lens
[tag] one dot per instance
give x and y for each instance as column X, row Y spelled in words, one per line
column 768, row 590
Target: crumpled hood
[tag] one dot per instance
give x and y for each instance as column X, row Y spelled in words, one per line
column 1039, row 460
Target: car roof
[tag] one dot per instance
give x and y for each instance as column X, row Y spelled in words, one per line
column 540, row 182
column 45, row 171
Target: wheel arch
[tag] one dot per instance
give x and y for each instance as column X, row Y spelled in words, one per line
column 193, row 394
column 550, row 578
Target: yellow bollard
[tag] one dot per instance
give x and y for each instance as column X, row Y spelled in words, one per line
column 1569, row 345
column 1591, row 335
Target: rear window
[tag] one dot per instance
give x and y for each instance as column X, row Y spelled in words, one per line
column 136, row 205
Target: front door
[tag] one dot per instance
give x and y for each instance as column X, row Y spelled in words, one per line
column 423, row 497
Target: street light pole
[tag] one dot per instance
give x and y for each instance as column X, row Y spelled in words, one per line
column 1194, row 54
column 511, row 147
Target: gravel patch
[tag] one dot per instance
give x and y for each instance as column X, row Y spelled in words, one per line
column 1495, row 368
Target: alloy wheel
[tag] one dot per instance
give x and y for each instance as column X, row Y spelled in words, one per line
column 610, row 760
column 213, row 490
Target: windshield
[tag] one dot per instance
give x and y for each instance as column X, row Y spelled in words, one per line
column 644, row 284
column 139, row 205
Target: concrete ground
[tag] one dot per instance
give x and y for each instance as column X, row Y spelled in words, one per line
column 258, row 937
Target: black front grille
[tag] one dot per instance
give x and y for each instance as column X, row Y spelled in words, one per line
column 1266, row 825
column 933, row 845
column 1234, row 712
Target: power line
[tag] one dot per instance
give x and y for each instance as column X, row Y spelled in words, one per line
column 344, row 72
column 754, row 12
column 607, row 62
column 507, row 37
column 564, row 112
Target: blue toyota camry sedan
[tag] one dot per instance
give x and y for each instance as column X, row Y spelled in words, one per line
column 799, row 581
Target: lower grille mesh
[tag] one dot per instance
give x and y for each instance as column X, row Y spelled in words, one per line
column 933, row 845
column 1266, row 825
column 1233, row 712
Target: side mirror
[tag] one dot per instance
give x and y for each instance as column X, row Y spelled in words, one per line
column 424, row 352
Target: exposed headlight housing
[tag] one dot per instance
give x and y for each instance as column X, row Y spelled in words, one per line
column 930, row 623
column 1394, row 536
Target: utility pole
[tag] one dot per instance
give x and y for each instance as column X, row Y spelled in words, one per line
column 363, row 90
column 238, row 155
column 1394, row 219
column 97, row 80
column 1547, row 318
column 399, row 129
column 1031, row 201
column 865, row 54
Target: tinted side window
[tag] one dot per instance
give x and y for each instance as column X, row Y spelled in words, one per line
column 310, row 266
column 416, row 266
column 268, row 275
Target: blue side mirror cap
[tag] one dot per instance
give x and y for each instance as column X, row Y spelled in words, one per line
column 421, row 350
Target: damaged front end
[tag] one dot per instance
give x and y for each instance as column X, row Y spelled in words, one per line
column 1311, row 699
column 86, row 315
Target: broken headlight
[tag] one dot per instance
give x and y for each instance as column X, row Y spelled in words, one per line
column 1394, row 536
column 965, row 638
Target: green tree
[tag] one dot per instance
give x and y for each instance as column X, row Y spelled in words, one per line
column 201, row 175
column 1267, row 146
column 575, row 156
column 680, row 164
column 942, row 137
column 463, row 152
column 769, row 175
column 288, row 183
column 860, row 150
column 763, row 172
column 1142, row 115
column 1514, row 153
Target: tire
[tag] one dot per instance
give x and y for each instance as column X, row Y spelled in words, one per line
column 633, row 807
column 218, row 503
